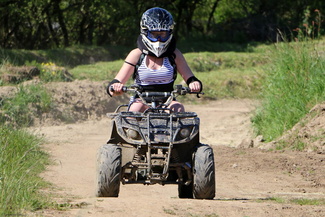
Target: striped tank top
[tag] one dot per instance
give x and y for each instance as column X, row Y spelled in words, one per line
column 163, row 75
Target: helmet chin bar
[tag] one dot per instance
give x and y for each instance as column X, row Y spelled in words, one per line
column 157, row 48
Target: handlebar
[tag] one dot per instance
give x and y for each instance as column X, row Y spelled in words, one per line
column 151, row 98
column 179, row 90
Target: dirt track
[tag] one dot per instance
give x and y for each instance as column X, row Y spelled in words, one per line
column 247, row 178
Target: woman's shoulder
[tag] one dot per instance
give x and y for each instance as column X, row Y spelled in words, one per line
column 134, row 56
column 136, row 51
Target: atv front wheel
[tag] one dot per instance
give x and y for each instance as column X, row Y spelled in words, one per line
column 108, row 171
column 204, row 186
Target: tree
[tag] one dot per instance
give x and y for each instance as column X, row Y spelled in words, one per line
column 40, row 24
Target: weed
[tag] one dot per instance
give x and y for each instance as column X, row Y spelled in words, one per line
column 169, row 211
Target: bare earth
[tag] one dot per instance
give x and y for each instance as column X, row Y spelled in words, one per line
column 248, row 179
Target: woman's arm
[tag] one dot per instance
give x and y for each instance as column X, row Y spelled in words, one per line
column 125, row 72
column 182, row 67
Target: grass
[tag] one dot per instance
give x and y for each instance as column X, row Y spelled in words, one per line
column 294, row 84
column 311, row 202
column 20, row 109
column 298, row 201
column 224, row 75
column 21, row 160
column 67, row 57
column 97, row 71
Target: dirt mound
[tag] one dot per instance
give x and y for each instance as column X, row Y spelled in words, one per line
column 79, row 101
column 308, row 134
column 15, row 74
column 72, row 101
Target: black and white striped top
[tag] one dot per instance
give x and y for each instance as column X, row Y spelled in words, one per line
column 147, row 76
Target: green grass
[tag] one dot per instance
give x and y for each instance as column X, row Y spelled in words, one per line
column 66, row 57
column 227, row 70
column 21, row 160
column 305, row 201
column 224, row 75
column 299, row 201
column 294, row 84
column 98, row 71
column 29, row 101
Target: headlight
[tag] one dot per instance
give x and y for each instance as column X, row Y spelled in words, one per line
column 184, row 133
column 132, row 134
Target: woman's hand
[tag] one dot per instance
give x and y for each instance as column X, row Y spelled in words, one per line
column 195, row 86
column 116, row 89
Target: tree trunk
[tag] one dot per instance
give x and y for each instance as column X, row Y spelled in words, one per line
column 214, row 7
column 61, row 22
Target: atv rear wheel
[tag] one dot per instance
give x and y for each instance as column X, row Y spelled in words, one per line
column 203, row 173
column 108, row 170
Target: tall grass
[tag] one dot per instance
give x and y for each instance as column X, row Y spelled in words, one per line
column 294, row 83
column 21, row 160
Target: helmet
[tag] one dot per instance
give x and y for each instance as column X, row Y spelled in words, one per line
column 156, row 20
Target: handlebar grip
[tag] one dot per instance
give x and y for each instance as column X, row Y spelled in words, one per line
column 124, row 89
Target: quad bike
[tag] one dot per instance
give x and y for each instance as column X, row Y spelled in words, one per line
column 156, row 146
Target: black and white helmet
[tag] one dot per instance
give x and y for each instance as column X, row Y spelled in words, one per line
column 156, row 20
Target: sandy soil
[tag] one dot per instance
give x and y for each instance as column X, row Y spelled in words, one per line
column 249, row 180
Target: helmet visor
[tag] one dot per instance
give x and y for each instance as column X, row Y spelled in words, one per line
column 155, row 36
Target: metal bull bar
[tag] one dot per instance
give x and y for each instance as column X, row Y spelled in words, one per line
column 159, row 176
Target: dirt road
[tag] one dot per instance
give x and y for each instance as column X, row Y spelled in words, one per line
column 250, row 181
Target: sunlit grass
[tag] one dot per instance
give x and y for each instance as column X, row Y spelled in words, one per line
column 28, row 102
column 294, row 84
column 21, row 160
column 299, row 201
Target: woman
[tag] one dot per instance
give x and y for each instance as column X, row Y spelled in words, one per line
column 156, row 71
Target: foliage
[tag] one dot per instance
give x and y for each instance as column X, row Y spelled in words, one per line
column 34, row 24
column 242, row 20
column 21, row 160
column 29, row 101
